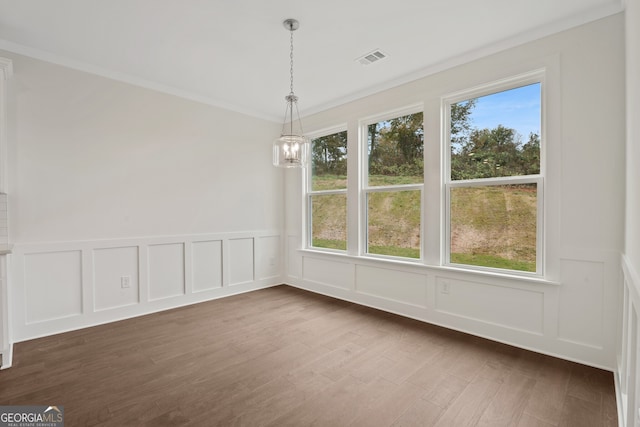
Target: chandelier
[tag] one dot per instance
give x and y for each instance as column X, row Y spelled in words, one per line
column 291, row 149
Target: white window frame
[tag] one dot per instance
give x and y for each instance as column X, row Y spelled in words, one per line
column 533, row 77
column 309, row 192
column 365, row 189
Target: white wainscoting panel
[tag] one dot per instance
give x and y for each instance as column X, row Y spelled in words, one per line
column 53, row 285
column 401, row 286
column 110, row 266
column 565, row 317
column 268, row 250
column 581, row 302
column 508, row 307
column 329, row 273
column 627, row 373
column 62, row 286
column 166, row 271
column 294, row 259
column 206, row 263
column 242, row 261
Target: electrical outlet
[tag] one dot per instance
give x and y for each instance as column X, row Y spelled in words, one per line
column 125, row 282
column 445, row 287
column 272, row 261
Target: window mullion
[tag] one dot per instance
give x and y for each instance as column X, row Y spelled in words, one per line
column 503, row 180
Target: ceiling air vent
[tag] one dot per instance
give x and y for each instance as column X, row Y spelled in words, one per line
column 371, row 57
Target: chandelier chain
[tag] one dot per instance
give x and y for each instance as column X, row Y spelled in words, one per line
column 291, row 62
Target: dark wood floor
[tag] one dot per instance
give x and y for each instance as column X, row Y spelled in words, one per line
column 286, row 357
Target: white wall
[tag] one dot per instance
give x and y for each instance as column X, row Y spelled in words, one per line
column 109, row 180
column 628, row 361
column 632, row 241
column 93, row 158
column 575, row 317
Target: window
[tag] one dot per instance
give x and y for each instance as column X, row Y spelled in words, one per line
column 327, row 192
column 479, row 198
column 494, row 184
column 394, row 180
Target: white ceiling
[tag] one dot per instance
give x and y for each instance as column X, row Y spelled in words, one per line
column 235, row 54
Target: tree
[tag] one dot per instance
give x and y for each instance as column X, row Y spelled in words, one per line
column 408, row 133
column 531, row 155
column 329, row 154
column 396, row 146
column 461, row 125
column 488, row 153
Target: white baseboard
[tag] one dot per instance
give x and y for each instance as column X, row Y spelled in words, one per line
column 7, row 357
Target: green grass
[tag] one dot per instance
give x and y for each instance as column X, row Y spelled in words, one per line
column 492, row 226
column 493, row 262
column 395, row 251
column 328, row 182
column 394, row 223
column 329, row 221
column 329, row 244
column 378, row 250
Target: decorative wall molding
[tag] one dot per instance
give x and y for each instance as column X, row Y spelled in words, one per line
column 63, row 286
column 536, row 315
column 628, row 361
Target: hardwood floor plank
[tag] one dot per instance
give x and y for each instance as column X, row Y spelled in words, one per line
column 389, row 407
column 577, row 412
column 467, row 409
column 250, row 407
column 334, row 407
column 371, row 397
column 441, row 362
column 371, row 367
column 587, row 383
column 494, row 371
column 399, row 371
column 264, row 412
column 422, row 413
column 336, row 364
column 508, row 405
column 445, row 390
column 473, row 357
column 609, row 409
column 527, row 362
column 547, row 397
column 530, row 421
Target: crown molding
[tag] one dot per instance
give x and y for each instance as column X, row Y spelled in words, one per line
column 128, row 79
column 6, row 68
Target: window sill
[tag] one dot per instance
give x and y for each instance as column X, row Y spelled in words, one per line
column 419, row 267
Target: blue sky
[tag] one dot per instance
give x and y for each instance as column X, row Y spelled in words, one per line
column 516, row 108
